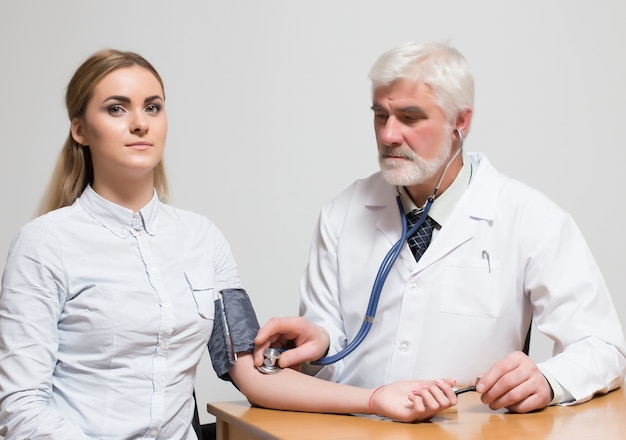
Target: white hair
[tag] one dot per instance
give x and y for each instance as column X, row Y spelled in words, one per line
column 441, row 67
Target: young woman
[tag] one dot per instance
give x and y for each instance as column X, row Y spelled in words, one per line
column 107, row 300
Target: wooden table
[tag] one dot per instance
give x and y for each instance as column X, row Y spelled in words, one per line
column 603, row 418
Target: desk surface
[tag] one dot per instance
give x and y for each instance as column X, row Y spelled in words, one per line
column 604, row 417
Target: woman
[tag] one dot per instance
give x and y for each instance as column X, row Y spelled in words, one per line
column 107, row 298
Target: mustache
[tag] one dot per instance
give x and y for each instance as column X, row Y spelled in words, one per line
column 400, row 152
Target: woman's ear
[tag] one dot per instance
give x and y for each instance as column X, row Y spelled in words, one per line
column 76, row 129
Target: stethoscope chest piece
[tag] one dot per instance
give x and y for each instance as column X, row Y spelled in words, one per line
column 270, row 363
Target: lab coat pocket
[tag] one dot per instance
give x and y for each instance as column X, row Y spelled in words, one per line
column 470, row 287
column 202, row 288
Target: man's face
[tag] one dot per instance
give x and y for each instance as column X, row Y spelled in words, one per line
column 413, row 135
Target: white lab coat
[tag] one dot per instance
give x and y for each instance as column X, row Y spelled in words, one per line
column 506, row 253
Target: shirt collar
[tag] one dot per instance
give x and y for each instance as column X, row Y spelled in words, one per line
column 118, row 219
column 445, row 202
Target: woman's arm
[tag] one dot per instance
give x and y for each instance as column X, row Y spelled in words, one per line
column 405, row 401
column 30, row 304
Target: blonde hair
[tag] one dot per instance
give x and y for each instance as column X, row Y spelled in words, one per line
column 74, row 168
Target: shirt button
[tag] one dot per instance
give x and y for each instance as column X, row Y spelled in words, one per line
column 153, row 432
column 414, row 285
column 404, row 346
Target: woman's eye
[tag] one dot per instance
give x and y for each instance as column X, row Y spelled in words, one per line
column 116, row 109
column 153, row 108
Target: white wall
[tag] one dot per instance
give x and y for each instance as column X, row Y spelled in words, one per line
column 268, row 103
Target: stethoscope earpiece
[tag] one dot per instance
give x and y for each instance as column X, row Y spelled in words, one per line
column 458, row 132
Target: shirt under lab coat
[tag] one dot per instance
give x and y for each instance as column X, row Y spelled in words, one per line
column 506, row 254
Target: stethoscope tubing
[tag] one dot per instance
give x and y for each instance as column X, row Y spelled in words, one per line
column 379, row 282
column 385, row 268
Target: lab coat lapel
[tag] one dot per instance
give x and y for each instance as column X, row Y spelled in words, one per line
column 477, row 204
column 382, row 199
column 459, row 229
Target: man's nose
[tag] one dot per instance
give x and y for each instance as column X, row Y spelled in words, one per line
column 391, row 133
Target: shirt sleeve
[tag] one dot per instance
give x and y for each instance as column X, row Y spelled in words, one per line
column 559, row 394
column 225, row 267
column 30, row 303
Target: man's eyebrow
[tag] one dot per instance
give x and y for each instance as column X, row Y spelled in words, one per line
column 412, row 109
column 409, row 109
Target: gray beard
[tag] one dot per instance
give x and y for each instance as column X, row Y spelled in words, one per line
column 415, row 172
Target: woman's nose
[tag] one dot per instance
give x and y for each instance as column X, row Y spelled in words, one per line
column 139, row 124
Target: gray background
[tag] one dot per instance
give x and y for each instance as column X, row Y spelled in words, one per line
column 268, row 105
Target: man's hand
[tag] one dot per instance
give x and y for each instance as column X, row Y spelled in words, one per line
column 310, row 341
column 515, row 383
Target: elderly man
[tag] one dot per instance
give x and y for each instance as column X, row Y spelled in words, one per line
column 490, row 255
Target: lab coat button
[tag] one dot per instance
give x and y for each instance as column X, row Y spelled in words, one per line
column 404, row 346
column 414, row 285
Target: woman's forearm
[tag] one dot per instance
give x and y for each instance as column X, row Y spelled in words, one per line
column 291, row 390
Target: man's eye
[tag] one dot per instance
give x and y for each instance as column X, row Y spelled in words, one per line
column 381, row 116
column 412, row 117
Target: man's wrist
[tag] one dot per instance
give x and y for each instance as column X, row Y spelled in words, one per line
column 559, row 394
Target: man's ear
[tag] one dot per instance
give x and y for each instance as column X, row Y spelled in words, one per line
column 464, row 120
column 76, row 129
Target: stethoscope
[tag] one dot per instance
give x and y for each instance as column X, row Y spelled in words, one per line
column 272, row 354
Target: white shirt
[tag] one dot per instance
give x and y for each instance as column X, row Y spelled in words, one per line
column 505, row 253
column 104, row 315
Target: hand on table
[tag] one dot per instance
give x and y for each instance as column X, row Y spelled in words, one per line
column 515, row 383
column 413, row 401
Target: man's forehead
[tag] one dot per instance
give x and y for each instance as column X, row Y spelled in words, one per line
column 403, row 92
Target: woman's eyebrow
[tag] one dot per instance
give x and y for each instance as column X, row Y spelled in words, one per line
column 117, row 98
column 153, row 98
column 126, row 99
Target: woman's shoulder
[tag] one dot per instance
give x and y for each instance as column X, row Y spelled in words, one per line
column 189, row 218
column 50, row 220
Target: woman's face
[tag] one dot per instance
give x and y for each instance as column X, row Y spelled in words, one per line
column 124, row 125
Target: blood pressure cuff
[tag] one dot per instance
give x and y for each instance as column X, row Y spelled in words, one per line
column 234, row 328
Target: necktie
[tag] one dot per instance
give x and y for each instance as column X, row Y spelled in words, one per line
column 420, row 239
